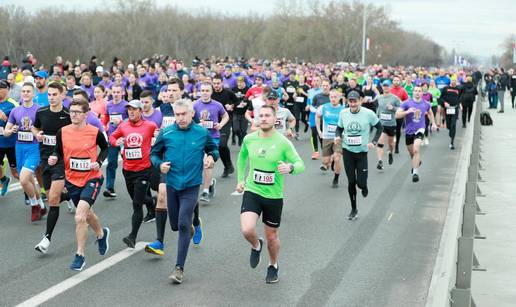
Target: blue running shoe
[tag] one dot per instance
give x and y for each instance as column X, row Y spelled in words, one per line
column 5, row 186
column 104, row 242
column 197, row 237
column 78, row 263
column 155, row 248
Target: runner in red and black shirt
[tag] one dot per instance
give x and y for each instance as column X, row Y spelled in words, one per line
column 136, row 135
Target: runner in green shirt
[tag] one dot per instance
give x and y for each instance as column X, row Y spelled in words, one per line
column 271, row 156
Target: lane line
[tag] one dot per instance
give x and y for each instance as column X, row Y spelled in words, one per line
column 390, row 217
column 82, row 276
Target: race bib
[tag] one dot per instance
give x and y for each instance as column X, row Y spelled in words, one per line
column 291, row 89
column 261, row 177
column 450, row 111
column 368, row 98
column 167, row 121
column 385, row 116
column 279, row 124
column 25, row 136
column 354, row 140
column 112, row 117
column 332, row 128
column 49, row 140
column 133, row 153
column 241, row 105
column 208, row 124
column 300, row 99
column 80, row 164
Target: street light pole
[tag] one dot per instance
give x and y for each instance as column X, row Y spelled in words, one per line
column 364, row 33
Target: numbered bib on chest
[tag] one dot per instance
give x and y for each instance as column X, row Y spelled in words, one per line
column 300, row 99
column 133, row 153
column 279, row 125
column 332, row 128
column 25, row 136
column 354, row 140
column 80, row 164
column 167, row 121
column 49, row 140
column 385, row 116
column 112, row 118
column 208, row 124
column 263, row 177
column 291, row 89
column 450, row 111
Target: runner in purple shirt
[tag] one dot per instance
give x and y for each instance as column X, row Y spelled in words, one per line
column 414, row 110
column 117, row 113
column 212, row 116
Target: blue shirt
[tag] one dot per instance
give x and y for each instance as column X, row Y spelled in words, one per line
column 330, row 118
column 311, row 94
column 6, row 107
column 184, row 149
column 41, row 99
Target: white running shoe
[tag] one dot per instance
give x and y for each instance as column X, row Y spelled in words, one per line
column 43, row 245
column 70, row 206
column 426, row 142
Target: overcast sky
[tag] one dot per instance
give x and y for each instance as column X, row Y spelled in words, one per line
column 478, row 27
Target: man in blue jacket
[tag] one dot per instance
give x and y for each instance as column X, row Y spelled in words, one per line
column 182, row 150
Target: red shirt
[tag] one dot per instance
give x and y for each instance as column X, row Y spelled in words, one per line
column 137, row 143
column 254, row 92
column 400, row 92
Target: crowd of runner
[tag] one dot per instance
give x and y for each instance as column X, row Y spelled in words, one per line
column 170, row 124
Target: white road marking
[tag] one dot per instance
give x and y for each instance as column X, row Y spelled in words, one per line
column 82, row 276
column 390, row 217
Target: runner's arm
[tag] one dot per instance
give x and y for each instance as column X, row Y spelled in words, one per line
column 242, row 162
column 379, row 130
column 211, row 149
column 298, row 166
column 157, row 151
column 58, row 150
column 102, row 143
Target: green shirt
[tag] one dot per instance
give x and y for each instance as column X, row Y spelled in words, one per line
column 356, row 128
column 409, row 88
column 436, row 93
column 264, row 155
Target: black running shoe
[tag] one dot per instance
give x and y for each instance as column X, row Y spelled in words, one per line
column 272, row 275
column 365, row 192
column 391, row 158
column 130, row 242
column 415, row 177
column 379, row 166
column 353, row 215
column 149, row 218
column 335, row 183
column 109, row 194
column 255, row 257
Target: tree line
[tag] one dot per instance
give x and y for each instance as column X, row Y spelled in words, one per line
column 304, row 30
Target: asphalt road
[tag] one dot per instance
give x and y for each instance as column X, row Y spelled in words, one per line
column 385, row 258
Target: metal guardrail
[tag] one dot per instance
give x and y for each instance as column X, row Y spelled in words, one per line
column 451, row 279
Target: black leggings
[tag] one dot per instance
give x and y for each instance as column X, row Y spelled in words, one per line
column 355, row 165
column 137, row 184
column 316, row 140
column 467, row 109
column 225, row 155
column 451, row 123
column 513, row 96
column 239, row 127
column 399, row 124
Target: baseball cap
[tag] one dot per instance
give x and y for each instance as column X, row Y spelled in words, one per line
column 261, row 77
column 135, row 103
column 99, row 69
column 272, row 95
column 386, row 82
column 4, row 84
column 41, row 74
column 354, row 95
